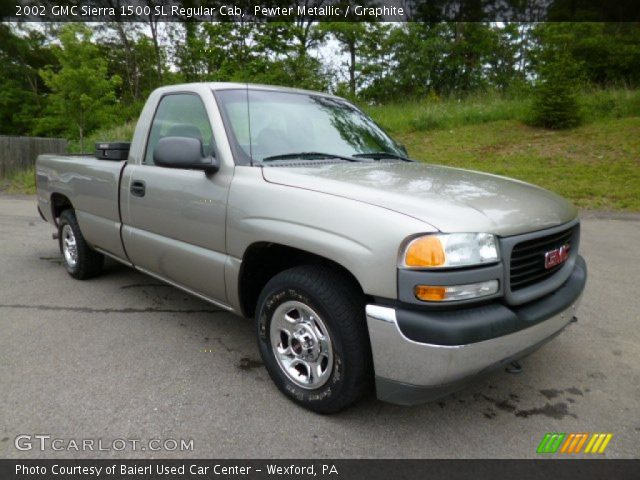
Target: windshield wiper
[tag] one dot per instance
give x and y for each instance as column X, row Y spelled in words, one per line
column 381, row 155
column 307, row 156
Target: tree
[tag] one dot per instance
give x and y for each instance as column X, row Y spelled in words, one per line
column 607, row 53
column 22, row 53
column 350, row 36
column 130, row 54
column 152, row 20
column 256, row 52
column 555, row 105
column 506, row 65
column 82, row 94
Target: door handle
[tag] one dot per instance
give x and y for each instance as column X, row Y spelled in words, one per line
column 138, row 188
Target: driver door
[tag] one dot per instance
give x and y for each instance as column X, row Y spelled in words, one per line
column 174, row 219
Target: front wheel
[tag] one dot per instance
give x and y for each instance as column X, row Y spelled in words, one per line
column 313, row 337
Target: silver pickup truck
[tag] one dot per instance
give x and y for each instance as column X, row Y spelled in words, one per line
column 359, row 265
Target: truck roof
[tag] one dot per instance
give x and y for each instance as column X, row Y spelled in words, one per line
column 239, row 85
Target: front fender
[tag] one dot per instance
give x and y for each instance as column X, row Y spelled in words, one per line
column 363, row 238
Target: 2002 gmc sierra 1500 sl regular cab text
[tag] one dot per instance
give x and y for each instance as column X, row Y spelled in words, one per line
column 358, row 264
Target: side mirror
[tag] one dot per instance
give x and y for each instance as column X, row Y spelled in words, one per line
column 404, row 149
column 183, row 152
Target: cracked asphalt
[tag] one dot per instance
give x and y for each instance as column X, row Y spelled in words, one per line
column 126, row 357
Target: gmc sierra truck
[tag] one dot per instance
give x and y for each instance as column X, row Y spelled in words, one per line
column 359, row 265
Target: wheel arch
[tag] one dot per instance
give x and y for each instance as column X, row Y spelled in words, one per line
column 59, row 203
column 263, row 260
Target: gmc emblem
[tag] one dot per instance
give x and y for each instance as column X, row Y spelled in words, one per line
column 556, row 257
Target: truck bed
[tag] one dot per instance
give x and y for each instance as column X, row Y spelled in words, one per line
column 92, row 187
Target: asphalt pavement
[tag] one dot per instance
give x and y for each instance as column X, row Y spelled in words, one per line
column 125, row 357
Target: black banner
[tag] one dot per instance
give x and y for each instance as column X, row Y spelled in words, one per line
column 321, row 10
column 321, row 469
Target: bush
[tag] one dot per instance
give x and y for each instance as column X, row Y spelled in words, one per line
column 555, row 105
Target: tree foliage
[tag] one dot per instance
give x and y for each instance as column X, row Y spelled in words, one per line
column 273, row 53
column 70, row 80
column 608, row 54
column 22, row 90
column 82, row 93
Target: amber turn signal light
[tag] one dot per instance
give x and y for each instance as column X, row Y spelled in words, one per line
column 430, row 294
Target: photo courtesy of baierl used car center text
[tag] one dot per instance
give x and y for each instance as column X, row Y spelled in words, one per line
column 319, row 238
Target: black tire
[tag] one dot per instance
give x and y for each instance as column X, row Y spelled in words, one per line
column 88, row 262
column 341, row 306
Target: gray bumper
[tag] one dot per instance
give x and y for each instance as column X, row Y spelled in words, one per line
column 409, row 372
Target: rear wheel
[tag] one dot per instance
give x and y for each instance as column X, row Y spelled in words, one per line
column 313, row 337
column 80, row 260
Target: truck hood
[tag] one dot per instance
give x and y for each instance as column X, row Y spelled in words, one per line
column 449, row 199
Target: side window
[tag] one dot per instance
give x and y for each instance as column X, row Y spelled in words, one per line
column 180, row 115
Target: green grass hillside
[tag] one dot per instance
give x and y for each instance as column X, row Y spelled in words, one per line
column 596, row 165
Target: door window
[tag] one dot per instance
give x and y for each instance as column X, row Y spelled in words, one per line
column 180, row 115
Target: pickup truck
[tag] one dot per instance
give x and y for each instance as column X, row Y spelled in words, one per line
column 360, row 266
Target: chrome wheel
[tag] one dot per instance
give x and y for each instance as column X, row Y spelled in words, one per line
column 69, row 246
column 301, row 344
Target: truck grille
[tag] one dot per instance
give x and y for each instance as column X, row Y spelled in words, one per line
column 527, row 259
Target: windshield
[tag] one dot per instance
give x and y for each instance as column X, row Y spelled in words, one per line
column 276, row 124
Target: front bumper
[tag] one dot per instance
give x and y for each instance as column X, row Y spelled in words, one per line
column 410, row 371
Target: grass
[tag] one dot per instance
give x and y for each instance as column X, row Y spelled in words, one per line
column 21, row 182
column 596, row 165
column 437, row 114
column 121, row 132
column 600, row 104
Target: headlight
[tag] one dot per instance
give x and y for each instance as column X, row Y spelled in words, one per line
column 448, row 250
